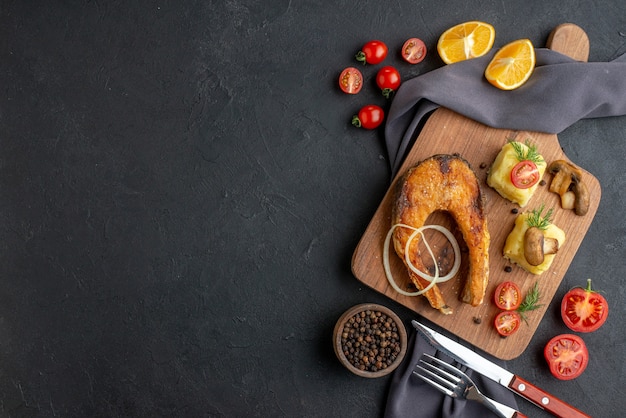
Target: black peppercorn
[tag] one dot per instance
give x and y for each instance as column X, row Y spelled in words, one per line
column 370, row 341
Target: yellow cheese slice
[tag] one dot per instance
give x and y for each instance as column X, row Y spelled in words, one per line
column 499, row 176
column 514, row 245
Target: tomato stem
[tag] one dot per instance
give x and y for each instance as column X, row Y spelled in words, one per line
column 388, row 93
column 356, row 121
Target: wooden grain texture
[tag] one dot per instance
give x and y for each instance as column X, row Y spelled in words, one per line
column 447, row 132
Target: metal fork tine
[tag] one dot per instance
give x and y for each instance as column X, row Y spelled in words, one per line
column 441, row 376
column 437, row 376
column 430, row 381
column 457, row 373
column 456, row 384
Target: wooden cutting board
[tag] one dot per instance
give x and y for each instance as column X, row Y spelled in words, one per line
column 447, row 132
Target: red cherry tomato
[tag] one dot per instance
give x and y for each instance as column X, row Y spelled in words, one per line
column 373, row 52
column 388, row 80
column 584, row 310
column 507, row 296
column 369, row 117
column 567, row 356
column 414, row 51
column 351, row 80
column 507, row 323
column 525, row 174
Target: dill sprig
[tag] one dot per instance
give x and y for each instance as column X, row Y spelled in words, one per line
column 528, row 153
column 535, row 218
column 530, row 302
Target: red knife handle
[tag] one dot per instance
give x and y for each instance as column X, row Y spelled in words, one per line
column 544, row 400
column 519, row 415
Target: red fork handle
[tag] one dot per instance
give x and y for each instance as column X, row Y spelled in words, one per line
column 544, row 400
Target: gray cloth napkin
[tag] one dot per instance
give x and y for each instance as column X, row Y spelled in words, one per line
column 410, row 396
column 560, row 92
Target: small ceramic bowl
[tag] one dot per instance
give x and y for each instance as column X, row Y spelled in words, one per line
column 370, row 340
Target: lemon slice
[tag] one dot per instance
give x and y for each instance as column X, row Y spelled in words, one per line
column 512, row 65
column 465, row 40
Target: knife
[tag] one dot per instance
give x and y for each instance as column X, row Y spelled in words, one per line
column 498, row 374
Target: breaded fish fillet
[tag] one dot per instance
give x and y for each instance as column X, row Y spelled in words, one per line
column 444, row 183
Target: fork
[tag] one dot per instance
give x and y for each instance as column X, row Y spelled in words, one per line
column 453, row 382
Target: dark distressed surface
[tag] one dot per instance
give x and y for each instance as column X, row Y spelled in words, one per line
column 181, row 193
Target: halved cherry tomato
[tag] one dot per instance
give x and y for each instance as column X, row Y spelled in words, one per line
column 369, row 117
column 388, row 80
column 507, row 323
column 584, row 310
column 373, row 52
column 567, row 356
column 525, row 174
column 507, row 296
column 351, row 80
column 414, row 50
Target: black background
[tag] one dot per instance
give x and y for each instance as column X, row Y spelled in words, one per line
column 181, row 193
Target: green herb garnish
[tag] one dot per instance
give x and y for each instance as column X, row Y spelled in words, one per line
column 530, row 302
column 537, row 220
column 527, row 154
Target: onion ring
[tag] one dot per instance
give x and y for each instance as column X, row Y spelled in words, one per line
column 432, row 279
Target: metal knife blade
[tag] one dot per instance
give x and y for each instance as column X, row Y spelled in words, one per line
column 476, row 362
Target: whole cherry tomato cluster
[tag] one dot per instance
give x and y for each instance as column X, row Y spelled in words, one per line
column 388, row 78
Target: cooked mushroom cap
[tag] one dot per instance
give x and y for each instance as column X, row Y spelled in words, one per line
column 533, row 246
column 581, row 203
column 562, row 165
column 567, row 180
column 536, row 246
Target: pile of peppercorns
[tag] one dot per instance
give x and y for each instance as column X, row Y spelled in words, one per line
column 370, row 341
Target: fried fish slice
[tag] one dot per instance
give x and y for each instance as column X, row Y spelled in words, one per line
column 444, row 183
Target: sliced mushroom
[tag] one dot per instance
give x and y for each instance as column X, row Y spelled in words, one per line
column 567, row 181
column 537, row 245
column 581, row 203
